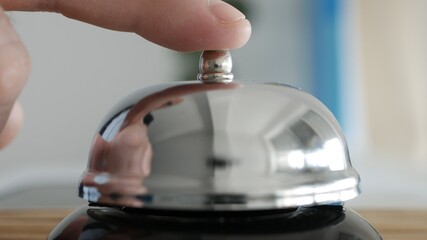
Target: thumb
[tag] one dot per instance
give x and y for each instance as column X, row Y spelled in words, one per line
column 13, row 124
column 14, row 70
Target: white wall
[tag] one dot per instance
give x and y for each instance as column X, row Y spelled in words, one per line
column 393, row 96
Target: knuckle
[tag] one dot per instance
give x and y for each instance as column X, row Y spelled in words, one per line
column 48, row 5
column 15, row 66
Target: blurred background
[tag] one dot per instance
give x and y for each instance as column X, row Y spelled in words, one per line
column 366, row 60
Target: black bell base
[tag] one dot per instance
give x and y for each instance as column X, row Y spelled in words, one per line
column 303, row 223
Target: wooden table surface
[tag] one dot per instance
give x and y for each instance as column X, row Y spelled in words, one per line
column 36, row 224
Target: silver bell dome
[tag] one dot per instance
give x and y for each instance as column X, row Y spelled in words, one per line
column 219, row 145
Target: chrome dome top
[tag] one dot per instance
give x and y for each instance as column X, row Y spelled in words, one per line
column 220, row 146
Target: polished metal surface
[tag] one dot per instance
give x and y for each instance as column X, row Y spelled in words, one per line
column 224, row 146
column 215, row 67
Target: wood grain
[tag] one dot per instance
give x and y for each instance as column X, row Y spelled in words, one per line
column 398, row 224
column 29, row 224
column 36, row 224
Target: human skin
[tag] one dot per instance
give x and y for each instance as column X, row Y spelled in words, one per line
column 184, row 25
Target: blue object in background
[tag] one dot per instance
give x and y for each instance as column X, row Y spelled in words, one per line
column 325, row 47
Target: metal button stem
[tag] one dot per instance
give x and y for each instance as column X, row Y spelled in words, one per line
column 215, row 67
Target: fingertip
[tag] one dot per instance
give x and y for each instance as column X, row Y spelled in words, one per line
column 232, row 36
column 233, row 22
column 195, row 25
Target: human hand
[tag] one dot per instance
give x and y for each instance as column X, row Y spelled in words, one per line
column 184, row 25
column 14, row 70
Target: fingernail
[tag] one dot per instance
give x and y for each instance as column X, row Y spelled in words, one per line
column 224, row 12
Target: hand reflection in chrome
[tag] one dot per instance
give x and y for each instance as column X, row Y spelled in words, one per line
column 118, row 167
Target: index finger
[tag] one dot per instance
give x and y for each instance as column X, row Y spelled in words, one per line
column 185, row 25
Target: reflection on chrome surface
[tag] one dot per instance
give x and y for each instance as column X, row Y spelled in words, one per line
column 318, row 222
column 219, row 146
